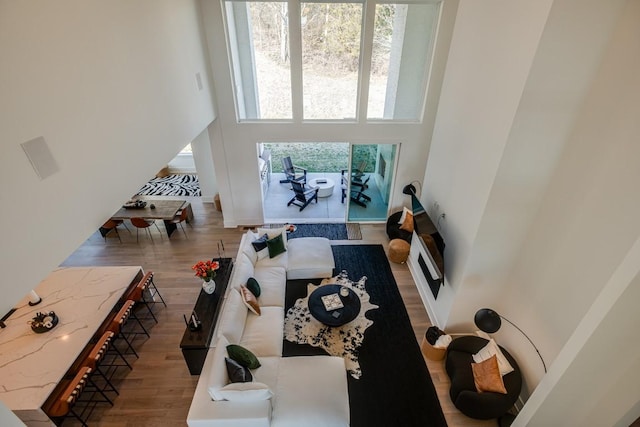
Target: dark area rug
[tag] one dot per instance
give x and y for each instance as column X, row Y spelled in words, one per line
column 395, row 388
column 330, row 231
column 336, row 231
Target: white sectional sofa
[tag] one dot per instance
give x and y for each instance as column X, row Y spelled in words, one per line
column 286, row 391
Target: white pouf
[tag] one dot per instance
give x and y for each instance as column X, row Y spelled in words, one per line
column 310, row 258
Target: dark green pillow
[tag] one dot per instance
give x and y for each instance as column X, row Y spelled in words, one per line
column 237, row 372
column 243, row 356
column 253, row 286
column 276, row 246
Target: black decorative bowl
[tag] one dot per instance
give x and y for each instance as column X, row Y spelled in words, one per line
column 138, row 204
column 44, row 322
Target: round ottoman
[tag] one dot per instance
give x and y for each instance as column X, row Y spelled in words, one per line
column 399, row 250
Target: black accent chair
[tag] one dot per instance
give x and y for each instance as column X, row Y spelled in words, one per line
column 463, row 393
column 357, row 196
column 302, row 198
column 292, row 172
column 393, row 228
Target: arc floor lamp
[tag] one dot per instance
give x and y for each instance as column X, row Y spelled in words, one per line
column 489, row 321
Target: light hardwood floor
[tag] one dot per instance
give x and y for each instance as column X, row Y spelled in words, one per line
column 158, row 391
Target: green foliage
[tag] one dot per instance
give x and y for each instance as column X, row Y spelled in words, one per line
column 315, row 157
column 331, row 35
column 330, row 157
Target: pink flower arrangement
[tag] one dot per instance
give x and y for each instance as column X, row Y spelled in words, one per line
column 206, row 270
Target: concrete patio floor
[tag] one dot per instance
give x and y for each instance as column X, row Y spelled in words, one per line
column 326, row 210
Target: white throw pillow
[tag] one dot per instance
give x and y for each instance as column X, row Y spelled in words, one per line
column 273, row 232
column 246, row 392
column 489, row 350
column 404, row 214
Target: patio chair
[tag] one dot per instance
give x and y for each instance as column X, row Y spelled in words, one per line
column 292, row 172
column 344, row 185
column 302, row 198
column 358, row 173
column 358, row 197
column 363, row 185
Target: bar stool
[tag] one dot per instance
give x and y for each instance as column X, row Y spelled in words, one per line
column 65, row 404
column 97, row 359
column 152, row 288
column 143, row 288
column 120, row 319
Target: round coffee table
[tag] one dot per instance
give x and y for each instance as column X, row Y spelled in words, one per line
column 324, row 186
column 339, row 316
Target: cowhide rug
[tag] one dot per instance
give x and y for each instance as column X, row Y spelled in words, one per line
column 342, row 341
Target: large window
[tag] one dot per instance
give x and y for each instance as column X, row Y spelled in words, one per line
column 401, row 56
column 303, row 60
column 330, row 59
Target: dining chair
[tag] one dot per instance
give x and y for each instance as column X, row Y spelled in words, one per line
column 109, row 226
column 180, row 217
column 145, row 224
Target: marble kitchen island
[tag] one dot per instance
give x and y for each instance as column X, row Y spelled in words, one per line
column 31, row 364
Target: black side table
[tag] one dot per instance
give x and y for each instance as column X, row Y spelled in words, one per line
column 195, row 344
column 337, row 317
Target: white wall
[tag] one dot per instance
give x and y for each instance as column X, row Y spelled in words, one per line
column 111, row 87
column 535, row 162
column 587, row 221
column 493, row 46
column 203, row 158
column 596, row 380
column 182, row 163
column 234, row 143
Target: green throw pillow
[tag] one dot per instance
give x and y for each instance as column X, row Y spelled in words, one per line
column 243, row 356
column 253, row 286
column 276, row 246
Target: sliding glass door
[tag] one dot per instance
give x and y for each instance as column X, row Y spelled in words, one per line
column 370, row 179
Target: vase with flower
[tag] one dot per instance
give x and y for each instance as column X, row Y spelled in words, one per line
column 206, row 270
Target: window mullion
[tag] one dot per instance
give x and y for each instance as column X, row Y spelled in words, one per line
column 295, row 44
column 366, row 48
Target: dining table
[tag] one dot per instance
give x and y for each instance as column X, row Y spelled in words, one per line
column 153, row 209
column 32, row 364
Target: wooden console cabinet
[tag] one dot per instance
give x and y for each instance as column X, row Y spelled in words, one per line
column 195, row 344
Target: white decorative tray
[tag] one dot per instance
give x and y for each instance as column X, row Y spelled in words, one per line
column 332, row 302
